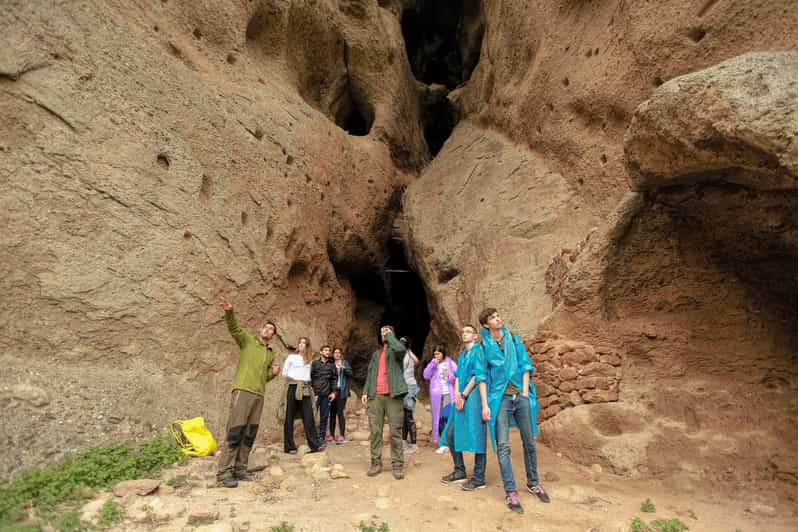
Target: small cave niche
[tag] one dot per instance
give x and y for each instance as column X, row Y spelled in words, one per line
column 439, row 117
column 356, row 118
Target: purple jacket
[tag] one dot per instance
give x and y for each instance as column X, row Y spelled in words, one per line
column 436, row 390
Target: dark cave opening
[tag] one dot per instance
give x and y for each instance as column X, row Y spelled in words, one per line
column 393, row 296
column 443, row 42
column 356, row 120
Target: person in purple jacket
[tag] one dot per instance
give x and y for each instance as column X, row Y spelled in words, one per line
column 440, row 372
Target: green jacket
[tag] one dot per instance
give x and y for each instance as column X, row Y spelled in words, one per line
column 394, row 357
column 254, row 359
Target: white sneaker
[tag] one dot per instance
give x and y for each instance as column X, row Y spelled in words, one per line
column 442, row 450
column 404, row 445
column 411, row 449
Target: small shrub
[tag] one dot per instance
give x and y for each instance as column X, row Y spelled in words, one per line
column 669, row 525
column 110, row 513
column 373, row 526
column 648, row 507
column 69, row 522
column 282, row 527
column 177, row 481
column 638, row 525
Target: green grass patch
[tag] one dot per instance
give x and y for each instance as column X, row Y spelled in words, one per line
column 658, row 525
column 373, row 526
column 62, row 486
column 110, row 513
column 282, row 527
column 177, row 481
column 647, row 507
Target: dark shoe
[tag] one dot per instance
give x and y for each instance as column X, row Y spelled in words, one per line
column 398, row 473
column 470, row 485
column 228, row 482
column 375, row 469
column 245, row 477
column 539, row 491
column 453, row 478
column 291, row 451
column 511, row 499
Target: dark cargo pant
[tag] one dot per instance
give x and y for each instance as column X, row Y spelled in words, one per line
column 380, row 407
column 242, row 427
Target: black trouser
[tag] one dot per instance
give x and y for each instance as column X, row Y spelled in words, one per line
column 304, row 408
column 409, row 426
column 337, row 410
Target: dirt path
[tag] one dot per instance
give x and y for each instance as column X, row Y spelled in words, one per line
column 581, row 500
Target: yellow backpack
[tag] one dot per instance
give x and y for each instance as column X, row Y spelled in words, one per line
column 193, row 438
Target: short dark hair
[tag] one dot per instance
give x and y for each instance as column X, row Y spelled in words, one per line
column 406, row 341
column 338, row 349
column 440, row 349
column 325, row 346
column 269, row 322
column 471, row 327
column 486, row 314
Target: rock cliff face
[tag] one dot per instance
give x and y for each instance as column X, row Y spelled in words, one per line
column 618, row 178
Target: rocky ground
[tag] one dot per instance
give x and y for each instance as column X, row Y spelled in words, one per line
column 330, row 491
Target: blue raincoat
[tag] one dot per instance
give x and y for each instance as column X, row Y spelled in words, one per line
column 469, row 429
column 503, row 367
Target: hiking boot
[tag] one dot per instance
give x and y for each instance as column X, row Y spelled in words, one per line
column 228, row 482
column 511, row 499
column 375, row 469
column 539, row 491
column 245, row 477
column 453, row 478
column 398, row 473
column 470, row 485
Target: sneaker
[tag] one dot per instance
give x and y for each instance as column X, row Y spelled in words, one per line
column 329, row 438
column 453, row 478
column 539, row 491
column 245, row 477
column 404, row 444
column 411, row 449
column 228, row 482
column 398, row 473
column 511, row 499
column 339, row 440
column 291, row 451
column 470, row 485
column 442, row 450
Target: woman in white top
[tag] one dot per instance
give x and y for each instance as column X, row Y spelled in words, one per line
column 299, row 398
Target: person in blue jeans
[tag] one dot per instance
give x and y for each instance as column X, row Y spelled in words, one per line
column 465, row 431
column 512, row 402
column 323, row 377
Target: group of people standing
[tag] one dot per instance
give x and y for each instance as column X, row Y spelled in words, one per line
column 488, row 391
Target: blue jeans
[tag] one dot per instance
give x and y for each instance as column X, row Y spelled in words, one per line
column 516, row 407
column 323, row 403
column 480, row 459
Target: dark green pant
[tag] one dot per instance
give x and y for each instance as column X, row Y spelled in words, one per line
column 380, row 407
column 242, row 427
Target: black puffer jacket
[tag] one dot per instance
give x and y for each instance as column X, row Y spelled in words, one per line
column 323, row 376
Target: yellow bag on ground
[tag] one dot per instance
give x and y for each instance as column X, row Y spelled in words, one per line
column 193, row 437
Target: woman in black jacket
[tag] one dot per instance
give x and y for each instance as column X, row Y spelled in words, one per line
column 322, row 378
column 344, row 375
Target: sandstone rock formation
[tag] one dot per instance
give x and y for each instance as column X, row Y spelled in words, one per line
column 157, row 155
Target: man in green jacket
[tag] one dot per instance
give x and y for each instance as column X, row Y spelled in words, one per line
column 383, row 393
column 256, row 367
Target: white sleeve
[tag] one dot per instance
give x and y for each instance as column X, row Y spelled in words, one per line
column 289, row 365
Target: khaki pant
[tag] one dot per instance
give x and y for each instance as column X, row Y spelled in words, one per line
column 242, row 427
column 380, row 407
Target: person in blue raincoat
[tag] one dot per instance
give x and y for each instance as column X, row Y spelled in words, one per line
column 512, row 402
column 465, row 430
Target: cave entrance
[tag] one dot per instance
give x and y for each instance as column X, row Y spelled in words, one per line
column 406, row 307
column 395, row 296
column 443, row 41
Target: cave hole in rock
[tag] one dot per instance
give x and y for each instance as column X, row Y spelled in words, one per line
column 351, row 114
column 395, row 295
column 443, row 41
